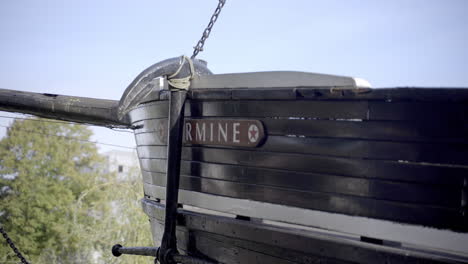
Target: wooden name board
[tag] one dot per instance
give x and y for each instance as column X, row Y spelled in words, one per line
column 225, row 132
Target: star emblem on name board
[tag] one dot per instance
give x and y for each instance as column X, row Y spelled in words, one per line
column 253, row 133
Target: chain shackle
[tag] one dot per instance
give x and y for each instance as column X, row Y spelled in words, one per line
column 207, row 31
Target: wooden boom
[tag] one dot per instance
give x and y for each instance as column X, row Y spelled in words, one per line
column 99, row 112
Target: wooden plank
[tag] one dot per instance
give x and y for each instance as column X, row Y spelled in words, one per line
column 207, row 94
column 157, row 109
column 209, row 247
column 230, row 254
column 417, row 111
column 443, row 195
column 157, row 138
column 157, row 227
column 312, row 109
column 351, row 205
column 339, row 109
column 395, row 171
column 278, row 253
column 421, row 94
column 360, row 226
column 378, row 130
column 328, row 110
column 331, row 165
column 376, row 169
column 154, row 164
column 440, row 153
column 156, row 126
column 297, row 245
column 264, row 94
column 155, row 152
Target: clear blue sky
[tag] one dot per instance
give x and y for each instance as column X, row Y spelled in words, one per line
column 95, row 48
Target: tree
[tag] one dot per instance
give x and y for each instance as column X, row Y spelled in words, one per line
column 55, row 200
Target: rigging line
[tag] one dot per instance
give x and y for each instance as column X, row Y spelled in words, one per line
column 65, row 122
column 72, row 138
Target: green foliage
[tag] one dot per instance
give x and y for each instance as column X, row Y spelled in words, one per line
column 56, row 202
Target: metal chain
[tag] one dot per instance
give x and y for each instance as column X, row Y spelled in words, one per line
column 207, row 31
column 12, row 245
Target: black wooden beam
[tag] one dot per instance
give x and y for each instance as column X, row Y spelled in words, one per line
column 418, row 214
column 313, row 109
column 394, row 131
column 360, row 168
column 175, row 130
column 439, row 195
column 99, row 112
column 438, row 153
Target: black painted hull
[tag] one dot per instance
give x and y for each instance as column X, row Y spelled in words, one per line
column 394, row 155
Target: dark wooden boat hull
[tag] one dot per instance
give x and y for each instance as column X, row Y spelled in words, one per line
column 394, row 155
column 343, row 175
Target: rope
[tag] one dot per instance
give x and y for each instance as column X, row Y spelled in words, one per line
column 182, row 83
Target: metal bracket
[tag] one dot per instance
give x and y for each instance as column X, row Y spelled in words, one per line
column 118, row 250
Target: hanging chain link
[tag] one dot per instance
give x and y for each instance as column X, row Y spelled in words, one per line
column 12, row 245
column 207, row 31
